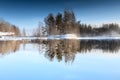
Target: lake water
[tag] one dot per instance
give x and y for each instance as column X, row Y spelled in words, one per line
column 60, row 60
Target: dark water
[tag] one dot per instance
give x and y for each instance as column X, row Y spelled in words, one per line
column 60, row 60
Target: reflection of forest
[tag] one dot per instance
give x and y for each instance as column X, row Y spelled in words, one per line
column 7, row 47
column 105, row 45
column 62, row 49
column 67, row 49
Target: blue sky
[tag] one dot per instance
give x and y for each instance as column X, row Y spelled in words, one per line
column 27, row 13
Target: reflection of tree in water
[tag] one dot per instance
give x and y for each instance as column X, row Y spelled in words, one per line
column 67, row 49
column 62, row 49
column 7, row 47
column 105, row 45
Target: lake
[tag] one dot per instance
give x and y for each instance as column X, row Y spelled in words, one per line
column 60, row 60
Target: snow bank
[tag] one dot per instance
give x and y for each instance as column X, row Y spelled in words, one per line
column 6, row 33
column 66, row 36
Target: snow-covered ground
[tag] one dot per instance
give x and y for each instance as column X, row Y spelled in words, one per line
column 66, row 36
column 6, row 33
column 6, row 38
column 52, row 37
column 73, row 36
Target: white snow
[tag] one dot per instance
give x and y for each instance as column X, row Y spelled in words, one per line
column 67, row 36
column 6, row 38
column 6, row 33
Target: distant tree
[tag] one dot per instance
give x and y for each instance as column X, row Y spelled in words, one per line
column 50, row 24
column 24, row 32
column 59, row 23
column 7, row 27
column 69, row 17
column 70, row 23
column 62, row 24
column 17, row 31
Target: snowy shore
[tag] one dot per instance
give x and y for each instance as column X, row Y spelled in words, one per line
column 7, row 38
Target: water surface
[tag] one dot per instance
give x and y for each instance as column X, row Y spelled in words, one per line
column 60, row 60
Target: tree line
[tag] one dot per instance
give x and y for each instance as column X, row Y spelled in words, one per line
column 59, row 24
column 7, row 27
column 105, row 29
column 63, row 23
column 66, row 23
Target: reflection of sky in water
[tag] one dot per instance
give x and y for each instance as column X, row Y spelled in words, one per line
column 30, row 64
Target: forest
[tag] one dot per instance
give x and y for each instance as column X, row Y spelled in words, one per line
column 66, row 23
column 7, row 27
column 63, row 23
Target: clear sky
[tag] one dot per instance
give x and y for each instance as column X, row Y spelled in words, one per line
column 27, row 13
